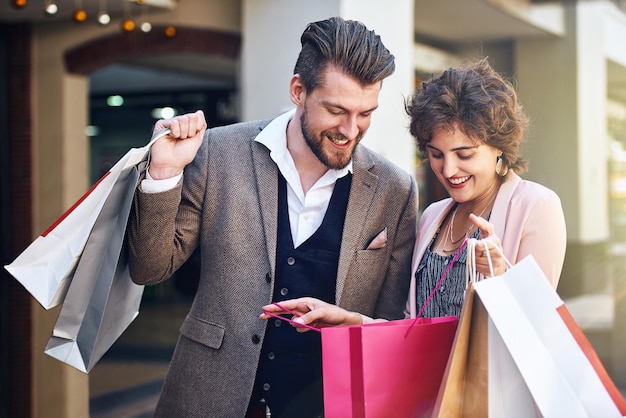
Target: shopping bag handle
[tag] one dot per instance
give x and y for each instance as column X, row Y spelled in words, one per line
column 158, row 135
column 472, row 275
column 140, row 155
column 289, row 320
column 155, row 137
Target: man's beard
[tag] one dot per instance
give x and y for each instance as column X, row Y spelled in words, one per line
column 333, row 160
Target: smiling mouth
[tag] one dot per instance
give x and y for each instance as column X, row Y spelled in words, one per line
column 459, row 180
column 338, row 140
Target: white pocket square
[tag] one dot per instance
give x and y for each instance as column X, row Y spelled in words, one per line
column 379, row 240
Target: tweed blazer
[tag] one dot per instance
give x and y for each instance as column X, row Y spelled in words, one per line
column 227, row 205
column 527, row 217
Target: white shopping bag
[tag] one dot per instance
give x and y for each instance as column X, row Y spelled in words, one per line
column 102, row 300
column 535, row 342
column 45, row 268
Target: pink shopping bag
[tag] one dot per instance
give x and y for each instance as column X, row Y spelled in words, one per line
column 385, row 369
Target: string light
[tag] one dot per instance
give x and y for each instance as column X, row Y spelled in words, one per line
column 19, row 4
column 145, row 26
column 103, row 16
column 104, row 19
column 128, row 24
column 51, row 8
column 170, row 31
column 79, row 15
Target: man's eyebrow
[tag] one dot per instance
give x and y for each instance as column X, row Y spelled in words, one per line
column 337, row 106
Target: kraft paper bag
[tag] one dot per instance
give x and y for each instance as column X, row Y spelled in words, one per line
column 463, row 391
column 481, row 379
column 385, row 369
column 46, row 267
column 102, row 300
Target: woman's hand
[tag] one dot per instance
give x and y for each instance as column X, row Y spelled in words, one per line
column 488, row 243
column 313, row 312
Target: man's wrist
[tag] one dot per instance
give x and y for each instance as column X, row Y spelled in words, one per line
column 151, row 185
column 163, row 173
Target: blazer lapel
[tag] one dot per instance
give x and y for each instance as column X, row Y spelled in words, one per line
column 364, row 184
column 427, row 235
column 267, row 185
column 501, row 206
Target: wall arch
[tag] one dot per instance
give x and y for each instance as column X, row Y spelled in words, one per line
column 103, row 51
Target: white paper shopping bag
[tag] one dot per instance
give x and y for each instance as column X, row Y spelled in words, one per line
column 102, row 300
column 47, row 265
column 534, row 339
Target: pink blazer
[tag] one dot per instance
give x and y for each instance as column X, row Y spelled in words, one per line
column 528, row 219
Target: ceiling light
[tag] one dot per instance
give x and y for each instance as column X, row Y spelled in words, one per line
column 104, row 19
column 146, row 26
column 79, row 15
column 103, row 15
column 92, row 130
column 168, row 112
column 115, row 100
column 163, row 112
column 51, row 8
column 170, row 31
column 128, row 25
column 18, row 4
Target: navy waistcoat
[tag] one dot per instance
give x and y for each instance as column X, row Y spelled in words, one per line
column 289, row 376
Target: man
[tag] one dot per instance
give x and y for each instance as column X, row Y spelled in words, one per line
column 280, row 209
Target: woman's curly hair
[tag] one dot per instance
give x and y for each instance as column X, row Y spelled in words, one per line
column 480, row 101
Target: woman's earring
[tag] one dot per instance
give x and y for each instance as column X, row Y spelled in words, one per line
column 501, row 169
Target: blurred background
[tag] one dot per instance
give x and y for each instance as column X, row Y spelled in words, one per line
column 82, row 81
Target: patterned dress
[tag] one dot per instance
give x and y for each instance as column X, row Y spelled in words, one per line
column 448, row 299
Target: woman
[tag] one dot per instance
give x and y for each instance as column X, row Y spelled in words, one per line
column 470, row 125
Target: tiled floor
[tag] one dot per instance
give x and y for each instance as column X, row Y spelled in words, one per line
column 127, row 380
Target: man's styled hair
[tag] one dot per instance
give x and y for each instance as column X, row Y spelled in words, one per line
column 348, row 46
